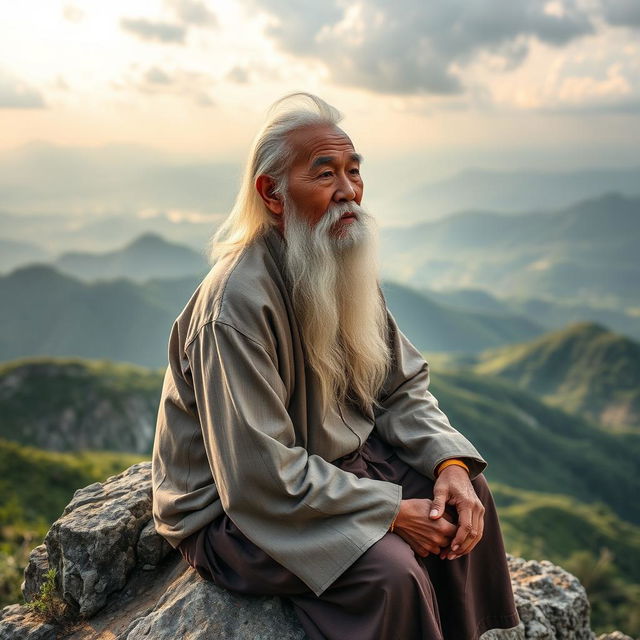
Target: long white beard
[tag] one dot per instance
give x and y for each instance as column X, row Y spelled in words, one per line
column 334, row 280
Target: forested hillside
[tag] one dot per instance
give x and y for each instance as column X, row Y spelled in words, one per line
column 583, row 368
column 74, row 404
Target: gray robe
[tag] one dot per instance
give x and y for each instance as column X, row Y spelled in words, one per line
column 240, row 427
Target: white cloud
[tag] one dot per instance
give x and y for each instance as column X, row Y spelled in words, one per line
column 239, row 75
column 416, row 47
column 186, row 14
column 16, row 94
column 154, row 30
column 600, row 76
column 154, row 75
column 180, row 83
column 194, row 12
column 580, row 89
column 622, row 13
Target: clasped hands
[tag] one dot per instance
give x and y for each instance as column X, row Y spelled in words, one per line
column 427, row 526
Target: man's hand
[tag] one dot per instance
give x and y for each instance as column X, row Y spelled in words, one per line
column 454, row 487
column 423, row 535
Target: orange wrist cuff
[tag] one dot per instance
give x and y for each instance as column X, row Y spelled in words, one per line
column 448, row 463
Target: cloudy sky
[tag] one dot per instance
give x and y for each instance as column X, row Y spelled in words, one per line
column 449, row 83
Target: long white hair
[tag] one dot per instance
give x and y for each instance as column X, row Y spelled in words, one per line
column 270, row 155
column 340, row 312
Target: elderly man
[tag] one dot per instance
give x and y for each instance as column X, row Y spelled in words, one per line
column 298, row 450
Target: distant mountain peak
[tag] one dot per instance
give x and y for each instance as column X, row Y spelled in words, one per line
column 147, row 256
column 149, row 239
column 38, row 272
column 585, row 327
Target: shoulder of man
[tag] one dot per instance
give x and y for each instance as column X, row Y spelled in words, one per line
column 248, row 296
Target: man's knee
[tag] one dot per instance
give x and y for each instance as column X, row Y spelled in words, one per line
column 391, row 565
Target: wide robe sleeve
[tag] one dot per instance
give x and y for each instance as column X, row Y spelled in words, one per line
column 306, row 513
column 409, row 417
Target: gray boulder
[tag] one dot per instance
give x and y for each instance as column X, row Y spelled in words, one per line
column 124, row 582
column 194, row 608
column 34, row 574
column 93, row 544
column 17, row 623
column 552, row 604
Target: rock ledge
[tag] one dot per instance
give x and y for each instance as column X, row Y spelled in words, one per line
column 126, row 583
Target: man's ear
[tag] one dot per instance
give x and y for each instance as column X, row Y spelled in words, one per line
column 266, row 187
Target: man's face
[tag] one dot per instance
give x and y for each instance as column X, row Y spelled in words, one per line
column 325, row 170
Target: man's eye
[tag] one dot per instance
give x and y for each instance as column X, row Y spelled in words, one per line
column 355, row 171
column 326, row 174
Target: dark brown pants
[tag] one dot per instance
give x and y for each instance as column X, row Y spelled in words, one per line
column 389, row 593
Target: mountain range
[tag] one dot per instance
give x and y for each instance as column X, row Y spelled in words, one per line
column 583, row 368
column 489, row 289
column 49, row 313
column 54, row 234
column 565, row 490
column 16, row 253
column 148, row 256
column 151, row 256
column 533, row 446
column 432, row 326
column 585, row 253
column 582, row 255
column 528, row 444
column 551, row 314
column 564, row 487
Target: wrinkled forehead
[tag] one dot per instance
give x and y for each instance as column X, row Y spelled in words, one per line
column 319, row 140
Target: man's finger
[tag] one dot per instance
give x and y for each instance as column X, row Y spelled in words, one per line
column 472, row 540
column 439, row 502
column 465, row 526
column 447, row 529
column 475, row 534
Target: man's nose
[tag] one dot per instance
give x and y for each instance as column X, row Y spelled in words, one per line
column 345, row 191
